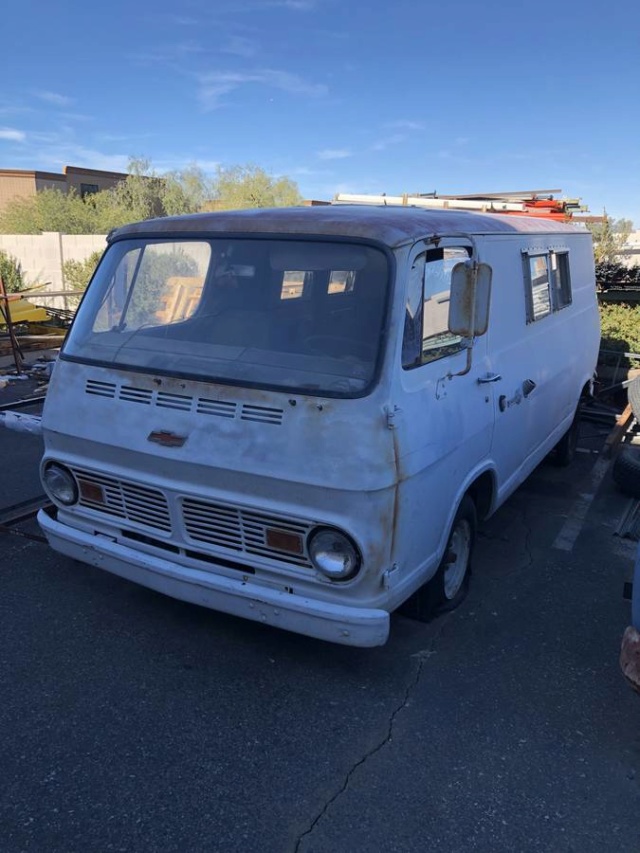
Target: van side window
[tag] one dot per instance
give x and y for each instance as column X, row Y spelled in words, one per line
column 426, row 328
column 547, row 283
column 561, row 280
column 538, row 287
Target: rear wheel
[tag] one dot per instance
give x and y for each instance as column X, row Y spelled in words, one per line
column 626, row 471
column 565, row 450
column 448, row 587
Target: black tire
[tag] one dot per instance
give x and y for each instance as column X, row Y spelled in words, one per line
column 444, row 592
column 565, row 450
column 626, row 471
column 634, row 397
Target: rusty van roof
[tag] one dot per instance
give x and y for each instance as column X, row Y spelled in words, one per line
column 391, row 226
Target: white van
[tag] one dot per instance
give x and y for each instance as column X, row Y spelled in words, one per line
column 298, row 415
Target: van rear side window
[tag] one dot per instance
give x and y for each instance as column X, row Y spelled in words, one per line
column 561, row 280
column 547, row 283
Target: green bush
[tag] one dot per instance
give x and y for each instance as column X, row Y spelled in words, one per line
column 77, row 274
column 620, row 327
column 11, row 273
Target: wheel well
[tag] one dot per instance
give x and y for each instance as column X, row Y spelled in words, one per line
column 587, row 392
column 481, row 490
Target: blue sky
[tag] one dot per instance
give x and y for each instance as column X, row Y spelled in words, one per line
column 341, row 95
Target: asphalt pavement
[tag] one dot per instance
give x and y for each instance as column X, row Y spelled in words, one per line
column 133, row 722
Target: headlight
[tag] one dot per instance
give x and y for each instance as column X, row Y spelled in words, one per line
column 60, row 484
column 333, row 554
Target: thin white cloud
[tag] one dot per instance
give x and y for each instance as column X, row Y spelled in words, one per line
column 405, row 124
column 241, row 46
column 215, row 84
column 296, row 5
column 54, row 98
column 10, row 134
column 15, row 110
column 334, row 154
column 53, row 151
column 383, row 144
column 184, row 21
column 167, row 53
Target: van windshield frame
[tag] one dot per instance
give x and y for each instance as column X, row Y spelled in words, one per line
column 303, row 315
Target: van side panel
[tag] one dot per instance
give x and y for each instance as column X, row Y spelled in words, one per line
column 543, row 364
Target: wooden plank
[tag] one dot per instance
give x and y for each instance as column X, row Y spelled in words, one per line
column 44, row 342
column 623, row 422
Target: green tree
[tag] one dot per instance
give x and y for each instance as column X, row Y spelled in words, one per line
column 49, row 210
column 77, row 274
column 609, row 238
column 11, row 273
column 620, row 329
column 145, row 194
column 237, row 187
column 186, row 191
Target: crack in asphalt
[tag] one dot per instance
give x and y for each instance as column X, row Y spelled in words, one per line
column 421, row 656
column 528, row 550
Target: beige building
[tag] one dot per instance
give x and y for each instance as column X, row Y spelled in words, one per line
column 17, row 183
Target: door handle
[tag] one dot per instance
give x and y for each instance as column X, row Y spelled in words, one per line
column 488, row 378
column 528, row 386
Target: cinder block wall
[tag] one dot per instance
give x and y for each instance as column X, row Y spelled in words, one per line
column 42, row 255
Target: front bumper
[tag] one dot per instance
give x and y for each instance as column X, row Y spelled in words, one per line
column 350, row 626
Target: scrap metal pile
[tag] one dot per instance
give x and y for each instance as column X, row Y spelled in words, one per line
column 26, row 326
column 538, row 203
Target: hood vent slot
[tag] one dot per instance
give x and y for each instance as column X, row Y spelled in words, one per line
column 174, row 401
column 101, row 389
column 136, row 395
column 221, row 408
column 261, row 414
column 184, row 403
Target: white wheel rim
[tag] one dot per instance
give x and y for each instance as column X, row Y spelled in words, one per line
column 456, row 570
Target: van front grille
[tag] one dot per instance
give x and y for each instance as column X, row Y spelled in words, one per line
column 129, row 501
column 236, row 530
column 242, row 530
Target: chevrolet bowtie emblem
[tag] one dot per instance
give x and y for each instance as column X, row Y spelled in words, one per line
column 166, row 439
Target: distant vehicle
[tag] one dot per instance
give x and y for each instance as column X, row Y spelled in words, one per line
column 298, row 416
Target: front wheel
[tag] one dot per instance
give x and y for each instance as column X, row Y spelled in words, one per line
column 448, row 587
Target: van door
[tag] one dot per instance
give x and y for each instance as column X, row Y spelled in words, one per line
column 530, row 373
column 445, row 425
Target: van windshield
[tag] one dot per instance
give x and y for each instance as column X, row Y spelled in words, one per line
column 289, row 314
